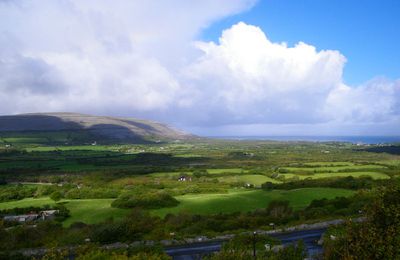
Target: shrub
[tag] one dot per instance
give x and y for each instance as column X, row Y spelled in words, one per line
column 153, row 200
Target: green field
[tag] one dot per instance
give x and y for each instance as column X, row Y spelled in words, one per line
column 72, row 148
column 247, row 200
column 93, row 211
column 85, row 210
column 315, row 164
column 390, row 162
column 335, row 168
column 168, row 174
column 256, row 179
column 24, row 203
column 229, row 170
column 373, row 175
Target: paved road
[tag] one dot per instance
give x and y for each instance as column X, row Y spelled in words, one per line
column 194, row 251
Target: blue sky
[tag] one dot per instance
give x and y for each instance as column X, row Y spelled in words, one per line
column 213, row 67
column 366, row 32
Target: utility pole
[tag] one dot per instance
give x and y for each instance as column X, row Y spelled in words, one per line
column 254, row 244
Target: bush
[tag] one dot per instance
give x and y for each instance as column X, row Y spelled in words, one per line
column 92, row 193
column 16, row 192
column 375, row 238
column 56, row 196
column 152, row 200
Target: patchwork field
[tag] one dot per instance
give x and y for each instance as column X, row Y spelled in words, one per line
column 247, row 200
column 373, row 175
column 318, row 164
column 318, row 170
column 85, row 210
column 256, row 179
column 92, row 211
column 222, row 171
column 334, row 168
column 390, row 162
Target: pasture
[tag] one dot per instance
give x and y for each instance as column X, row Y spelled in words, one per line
column 373, row 175
column 247, row 200
column 317, row 169
column 256, row 179
column 229, row 170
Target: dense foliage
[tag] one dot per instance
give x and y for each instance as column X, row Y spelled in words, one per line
column 140, row 181
column 378, row 237
column 149, row 200
column 346, row 183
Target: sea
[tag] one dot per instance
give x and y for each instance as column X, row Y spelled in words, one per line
column 349, row 139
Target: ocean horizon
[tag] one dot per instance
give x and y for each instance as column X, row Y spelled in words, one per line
column 348, row 139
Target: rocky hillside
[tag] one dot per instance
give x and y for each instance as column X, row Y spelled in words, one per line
column 99, row 128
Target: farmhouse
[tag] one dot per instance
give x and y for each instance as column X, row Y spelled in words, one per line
column 22, row 218
column 48, row 214
column 42, row 215
column 184, row 178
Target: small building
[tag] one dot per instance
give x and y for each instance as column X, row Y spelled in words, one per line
column 48, row 214
column 31, row 217
column 22, row 218
column 184, row 178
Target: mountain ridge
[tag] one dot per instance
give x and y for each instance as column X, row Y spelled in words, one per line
column 108, row 127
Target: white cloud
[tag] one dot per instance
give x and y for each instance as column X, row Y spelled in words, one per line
column 375, row 101
column 246, row 79
column 257, row 80
column 141, row 58
column 115, row 56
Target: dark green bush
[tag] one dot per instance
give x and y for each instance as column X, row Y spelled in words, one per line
column 153, row 200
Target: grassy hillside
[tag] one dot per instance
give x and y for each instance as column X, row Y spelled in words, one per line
column 73, row 128
column 247, row 200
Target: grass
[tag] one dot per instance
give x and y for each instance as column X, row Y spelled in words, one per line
column 256, row 179
column 228, row 170
column 188, row 156
column 89, row 211
column 390, row 162
column 92, row 211
column 210, row 171
column 29, row 202
column 373, row 175
column 247, row 200
column 168, row 174
column 329, row 164
column 27, row 140
column 73, row 148
column 335, row 168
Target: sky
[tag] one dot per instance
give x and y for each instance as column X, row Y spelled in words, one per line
column 211, row 67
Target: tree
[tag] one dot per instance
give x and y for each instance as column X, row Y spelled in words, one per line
column 378, row 237
column 56, row 196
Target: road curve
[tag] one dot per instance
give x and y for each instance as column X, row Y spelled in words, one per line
column 195, row 251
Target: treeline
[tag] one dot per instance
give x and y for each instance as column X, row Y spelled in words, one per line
column 145, row 200
column 375, row 238
column 140, row 225
column 345, row 183
column 18, row 192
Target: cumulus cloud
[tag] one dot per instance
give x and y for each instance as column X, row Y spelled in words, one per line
column 257, row 80
column 115, row 56
column 141, row 58
column 250, row 79
column 375, row 101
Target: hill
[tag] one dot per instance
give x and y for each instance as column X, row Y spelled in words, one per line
column 78, row 128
